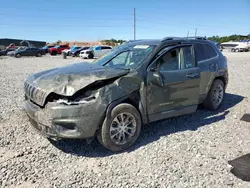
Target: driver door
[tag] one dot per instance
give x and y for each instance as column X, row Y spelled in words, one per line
column 173, row 81
column 26, row 52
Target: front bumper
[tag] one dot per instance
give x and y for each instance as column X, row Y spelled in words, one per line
column 65, row 121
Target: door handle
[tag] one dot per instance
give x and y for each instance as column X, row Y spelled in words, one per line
column 192, row 75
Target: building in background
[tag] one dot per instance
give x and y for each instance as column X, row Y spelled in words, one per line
column 4, row 42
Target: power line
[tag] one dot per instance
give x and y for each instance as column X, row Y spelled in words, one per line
column 53, row 25
column 82, row 17
column 37, row 9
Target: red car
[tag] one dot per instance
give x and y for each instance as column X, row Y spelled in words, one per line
column 58, row 49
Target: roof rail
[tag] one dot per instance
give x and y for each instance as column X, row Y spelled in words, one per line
column 170, row 38
column 197, row 38
column 183, row 38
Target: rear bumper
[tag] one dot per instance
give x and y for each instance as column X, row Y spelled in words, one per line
column 63, row 121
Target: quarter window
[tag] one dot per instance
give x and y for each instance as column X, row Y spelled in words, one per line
column 210, row 52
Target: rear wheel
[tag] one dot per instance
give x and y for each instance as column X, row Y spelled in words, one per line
column 38, row 55
column 91, row 56
column 122, row 129
column 215, row 96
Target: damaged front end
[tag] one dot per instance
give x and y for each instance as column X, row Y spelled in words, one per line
column 77, row 116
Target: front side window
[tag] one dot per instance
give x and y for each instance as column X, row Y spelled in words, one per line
column 176, row 59
column 170, row 61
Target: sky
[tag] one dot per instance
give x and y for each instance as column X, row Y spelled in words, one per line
column 82, row 20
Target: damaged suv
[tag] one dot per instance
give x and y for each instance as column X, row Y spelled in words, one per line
column 136, row 83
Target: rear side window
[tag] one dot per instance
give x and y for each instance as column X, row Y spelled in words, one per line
column 105, row 47
column 200, row 52
column 210, row 52
column 188, row 58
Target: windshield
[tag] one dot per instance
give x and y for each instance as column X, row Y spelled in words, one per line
column 57, row 46
column 125, row 56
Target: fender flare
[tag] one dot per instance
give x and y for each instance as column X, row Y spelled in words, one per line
column 131, row 96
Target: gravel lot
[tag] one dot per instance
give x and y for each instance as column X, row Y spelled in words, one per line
column 189, row 151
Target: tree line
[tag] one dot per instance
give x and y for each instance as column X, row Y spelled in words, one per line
column 229, row 38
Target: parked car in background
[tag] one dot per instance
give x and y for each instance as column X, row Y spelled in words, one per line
column 27, row 52
column 76, row 52
column 235, row 46
column 58, row 49
column 46, row 49
column 240, row 48
column 4, row 52
column 72, row 48
column 135, row 84
column 11, row 53
column 95, row 51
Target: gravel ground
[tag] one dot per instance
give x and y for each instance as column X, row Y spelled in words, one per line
column 189, row 151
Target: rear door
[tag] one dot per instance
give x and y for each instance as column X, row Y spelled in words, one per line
column 207, row 59
column 179, row 78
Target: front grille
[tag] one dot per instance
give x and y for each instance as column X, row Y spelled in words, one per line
column 34, row 94
column 29, row 90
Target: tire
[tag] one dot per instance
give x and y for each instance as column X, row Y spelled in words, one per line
column 38, row 55
column 104, row 133
column 91, row 56
column 213, row 101
column 237, row 50
column 18, row 55
column 53, row 53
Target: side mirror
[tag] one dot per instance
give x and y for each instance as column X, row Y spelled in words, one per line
column 157, row 79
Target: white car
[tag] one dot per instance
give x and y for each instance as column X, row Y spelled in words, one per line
column 95, row 51
column 67, row 51
column 240, row 48
column 235, row 46
column 72, row 48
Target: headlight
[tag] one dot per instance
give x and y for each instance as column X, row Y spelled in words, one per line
column 38, row 95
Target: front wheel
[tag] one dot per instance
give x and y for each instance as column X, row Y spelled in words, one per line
column 18, row 55
column 38, row 55
column 122, row 129
column 215, row 96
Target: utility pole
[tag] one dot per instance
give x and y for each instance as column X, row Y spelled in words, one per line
column 195, row 32
column 134, row 25
column 188, row 34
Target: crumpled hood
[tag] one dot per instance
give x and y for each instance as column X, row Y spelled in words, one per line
column 68, row 80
